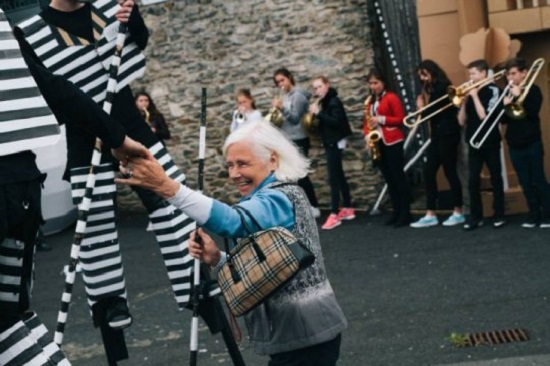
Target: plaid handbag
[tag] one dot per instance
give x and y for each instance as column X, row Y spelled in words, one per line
column 259, row 264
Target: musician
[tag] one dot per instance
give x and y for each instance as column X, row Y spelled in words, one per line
column 151, row 115
column 89, row 27
column 384, row 112
column 333, row 128
column 443, row 150
column 20, row 181
column 246, row 112
column 294, row 105
column 525, row 146
column 473, row 111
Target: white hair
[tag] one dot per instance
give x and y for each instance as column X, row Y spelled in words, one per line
column 266, row 139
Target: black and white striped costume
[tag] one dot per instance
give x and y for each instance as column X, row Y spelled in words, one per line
column 26, row 122
column 83, row 63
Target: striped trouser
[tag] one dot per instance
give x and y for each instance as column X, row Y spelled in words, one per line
column 18, row 348
column 100, row 252
column 11, row 271
column 39, row 333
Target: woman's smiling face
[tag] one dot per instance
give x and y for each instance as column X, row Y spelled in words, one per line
column 246, row 168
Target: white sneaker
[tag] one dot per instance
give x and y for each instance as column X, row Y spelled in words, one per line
column 426, row 221
column 454, row 219
column 316, row 212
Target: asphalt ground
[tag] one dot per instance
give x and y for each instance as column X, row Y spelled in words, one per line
column 404, row 291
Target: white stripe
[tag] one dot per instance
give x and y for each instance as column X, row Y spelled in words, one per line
column 9, row 44
column 92, row 229
column 42, row 33
column 97, row 190
column 179, row 274
column 100, row 3
column 111, row 12
column 45, row 49
column 176, row 248
column 84, row 74
column 156, row 148
column 9, row 297
column 62, row 55
column 136, row 75
column 21, row 104
column 102, row 79
column 11, row 261
column 182, row 286
column 90, row 254
column 12, row 63
column 173, row 222
column 106, row 290
column 19, row 83
column 28, row 21
column 66, row 297
column 82, row 60
column 10, row 280
column 101, row 216
column 99, row 239
column 99, row 177
column 4, row 26
column 95, row 266
column 105, row 277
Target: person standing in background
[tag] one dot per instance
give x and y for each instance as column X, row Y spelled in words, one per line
column 246, row 112
column 443, row 150
column 293, row 106
column 526, row 149
column 473, row 112
column 385, row 114
column 333, row 127
column 152, row 116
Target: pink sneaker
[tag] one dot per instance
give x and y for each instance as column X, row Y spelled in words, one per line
column 332, row 222
column 346, row 214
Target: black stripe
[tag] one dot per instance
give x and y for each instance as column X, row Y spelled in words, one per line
column 106, row 283
column 64, row 61
column 7, row 54
column 14, row 271
column 29, row 133
column 14, row 74
column 24, row 114
column 15, row 94
column 82, row 67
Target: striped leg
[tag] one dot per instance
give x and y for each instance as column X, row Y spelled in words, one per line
column 17, row 348
column 39, row 334
column 100, row 250
column 11, row 271
column 172, row 228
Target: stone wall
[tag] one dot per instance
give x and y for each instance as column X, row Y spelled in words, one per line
column 228, row 45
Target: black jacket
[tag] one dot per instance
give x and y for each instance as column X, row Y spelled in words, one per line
column 523, row 132
column 444, row 123
column 333, row 120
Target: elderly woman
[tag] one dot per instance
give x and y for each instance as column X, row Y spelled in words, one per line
column 301, row 323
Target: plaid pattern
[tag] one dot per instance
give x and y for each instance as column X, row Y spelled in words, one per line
column 258, row 279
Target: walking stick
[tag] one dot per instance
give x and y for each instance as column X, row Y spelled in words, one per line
column 194, row 339
column 84, row 206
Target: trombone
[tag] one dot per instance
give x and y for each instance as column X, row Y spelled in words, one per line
column 477, row 144
column 455, row 95
column 513, row 110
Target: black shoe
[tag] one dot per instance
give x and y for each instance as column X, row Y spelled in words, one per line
column 472, row 224
column 392, row 220
column 118, row 316
column 404, row 220
column 532, row 221
column 41, row 246
column 499, row 221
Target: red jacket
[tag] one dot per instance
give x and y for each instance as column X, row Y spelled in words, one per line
column 390, row 107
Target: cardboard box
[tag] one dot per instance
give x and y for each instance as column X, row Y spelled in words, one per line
column 500, row 5
column 431, row 7
column 545, row 17
column 517, row 21
column 514, row 202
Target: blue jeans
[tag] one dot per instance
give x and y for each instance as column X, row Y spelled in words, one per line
column 529, row 165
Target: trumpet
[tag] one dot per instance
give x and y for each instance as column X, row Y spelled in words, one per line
column 373, row 137
column 455, row 96
column 515, row 109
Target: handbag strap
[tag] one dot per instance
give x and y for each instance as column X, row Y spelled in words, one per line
column 243, row 211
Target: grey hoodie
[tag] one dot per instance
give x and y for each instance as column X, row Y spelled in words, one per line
column 295, row 105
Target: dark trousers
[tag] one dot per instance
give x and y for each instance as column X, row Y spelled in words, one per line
column 305, row 183
column 336, row 178
column 476, row 159
column 391, row 164
column 323, row 354
column 529, row 165
column 443, row 151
